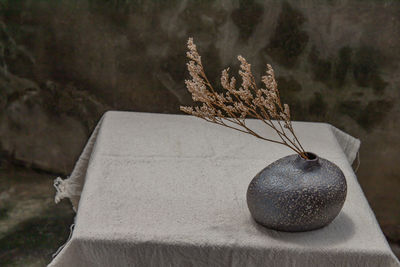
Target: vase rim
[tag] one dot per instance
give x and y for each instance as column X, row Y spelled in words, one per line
column 307, row 164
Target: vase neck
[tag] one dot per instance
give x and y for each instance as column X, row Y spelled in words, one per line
column 306, row 164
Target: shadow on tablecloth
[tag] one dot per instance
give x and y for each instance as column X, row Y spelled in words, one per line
column 339, row 231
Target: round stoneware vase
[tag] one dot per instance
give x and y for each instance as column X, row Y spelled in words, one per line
column 294, row 194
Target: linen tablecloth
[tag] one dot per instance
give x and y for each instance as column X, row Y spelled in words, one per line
column 170, row 190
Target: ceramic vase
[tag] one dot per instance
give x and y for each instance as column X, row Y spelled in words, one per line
column 295, row 194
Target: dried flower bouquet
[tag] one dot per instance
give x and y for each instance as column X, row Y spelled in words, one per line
column 233, row 106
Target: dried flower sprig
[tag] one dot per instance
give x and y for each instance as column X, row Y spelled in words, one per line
column 233, row 106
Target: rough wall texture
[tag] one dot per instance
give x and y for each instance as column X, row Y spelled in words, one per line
column 64, row 62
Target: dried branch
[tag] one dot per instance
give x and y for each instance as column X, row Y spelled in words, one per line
column 234, row 105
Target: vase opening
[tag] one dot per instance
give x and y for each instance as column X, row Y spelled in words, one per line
column 311, row 156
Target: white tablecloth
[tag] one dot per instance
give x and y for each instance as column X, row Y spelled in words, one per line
column 170, row 190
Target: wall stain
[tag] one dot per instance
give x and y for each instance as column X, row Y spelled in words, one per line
column 321, row 68
column 288, row 40
column 289, row 89
column 247, row 17
column 367, row 116
column 366, row 69
column 374, row 113
column 317, row 105
column 342, row 66
column 362, row 62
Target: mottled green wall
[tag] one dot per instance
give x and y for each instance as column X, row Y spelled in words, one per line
column 64, row 62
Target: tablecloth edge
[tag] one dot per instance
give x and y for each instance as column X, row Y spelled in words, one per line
column 72, row 186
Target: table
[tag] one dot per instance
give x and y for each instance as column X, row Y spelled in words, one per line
column 170, row 190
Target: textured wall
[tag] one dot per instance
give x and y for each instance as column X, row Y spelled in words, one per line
column 64, row 62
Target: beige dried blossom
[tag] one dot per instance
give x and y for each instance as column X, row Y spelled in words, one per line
column 234, row 105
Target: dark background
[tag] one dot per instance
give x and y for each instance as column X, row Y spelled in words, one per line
column 64, row 62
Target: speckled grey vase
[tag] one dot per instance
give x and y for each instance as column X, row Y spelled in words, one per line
column 294, row 194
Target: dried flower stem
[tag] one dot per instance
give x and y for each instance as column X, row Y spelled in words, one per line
column 235, row 105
